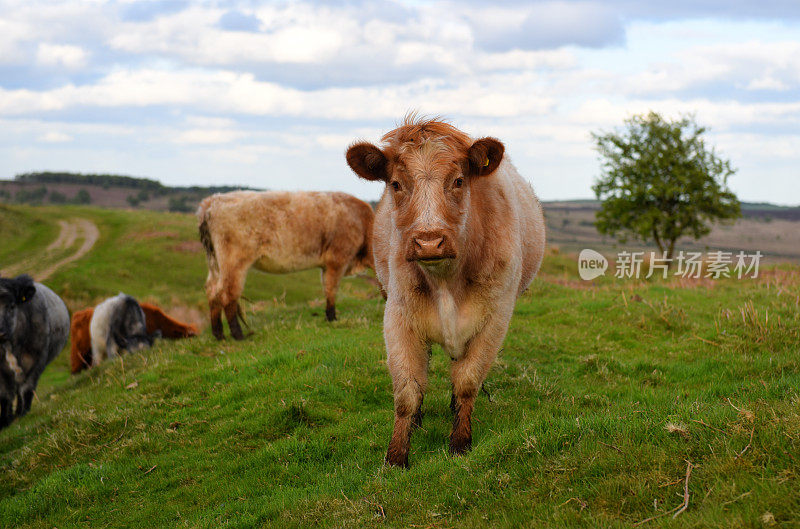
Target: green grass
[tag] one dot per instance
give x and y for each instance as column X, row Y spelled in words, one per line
column 24, row 233
column 289, row 427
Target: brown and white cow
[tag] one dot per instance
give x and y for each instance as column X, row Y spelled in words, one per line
column 156, row 320
column 458, row 235
column 280, row 232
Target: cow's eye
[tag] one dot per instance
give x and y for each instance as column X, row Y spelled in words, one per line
column 395, row 185
column 458, row 182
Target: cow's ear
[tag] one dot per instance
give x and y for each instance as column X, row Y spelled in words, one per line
column 484, row 156
column 368, row 161
column 24, row 289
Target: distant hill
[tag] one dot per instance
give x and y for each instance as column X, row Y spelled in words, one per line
column 750, row 210
column 770, row 229
column 104, row 190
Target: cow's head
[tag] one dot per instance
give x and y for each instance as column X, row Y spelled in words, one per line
column 131, row 332
column 13, row 293
column 429, row 168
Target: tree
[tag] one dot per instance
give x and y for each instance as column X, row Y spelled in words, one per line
column 182, row 204
column 82, row 197
column 57, row 197
column 660, row 182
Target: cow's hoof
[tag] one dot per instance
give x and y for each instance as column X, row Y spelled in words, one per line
column 330, row 314
column 460, row 446
column 395, row 459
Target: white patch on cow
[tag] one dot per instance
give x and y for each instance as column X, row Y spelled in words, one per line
column 100, row 328
column 428, row 206
column 457, row 323
column 19, row 376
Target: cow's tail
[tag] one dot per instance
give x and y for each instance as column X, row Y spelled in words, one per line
column 204, row 216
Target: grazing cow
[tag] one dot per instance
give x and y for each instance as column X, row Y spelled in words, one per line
column 34, row 323
column 155, row 318
column 458, row 235
column 280, row 232
column 117, row 325
column 159, row 322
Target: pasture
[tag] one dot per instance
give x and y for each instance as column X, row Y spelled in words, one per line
column 603, row 396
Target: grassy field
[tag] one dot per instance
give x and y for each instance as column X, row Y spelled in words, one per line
column 603, row 395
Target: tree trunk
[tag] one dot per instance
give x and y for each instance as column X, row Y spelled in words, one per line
column 671, row 250
column 658, row 241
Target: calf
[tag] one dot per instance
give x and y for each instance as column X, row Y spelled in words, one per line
column 280, row 232
column 157, row 321
column 118, row 325
column 34, row 323
column 458, row 235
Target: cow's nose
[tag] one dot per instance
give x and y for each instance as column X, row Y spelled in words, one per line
column 429, row 246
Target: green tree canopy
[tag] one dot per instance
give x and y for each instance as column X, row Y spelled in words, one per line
column 660, row 182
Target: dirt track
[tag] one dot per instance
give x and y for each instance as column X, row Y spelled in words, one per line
column 71, row 231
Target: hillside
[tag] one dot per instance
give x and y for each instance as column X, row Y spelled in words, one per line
column 103, row 190
column 602, row 396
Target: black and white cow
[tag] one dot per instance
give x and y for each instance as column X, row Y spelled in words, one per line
column 117, row 325
column 34, row 325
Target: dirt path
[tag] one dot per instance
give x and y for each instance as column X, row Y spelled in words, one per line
column 71, row 231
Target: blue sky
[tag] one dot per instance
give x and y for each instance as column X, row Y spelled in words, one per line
column 269, row 94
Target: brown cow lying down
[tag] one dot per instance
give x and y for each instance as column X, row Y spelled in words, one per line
column 280, row 232
column 458, row 235
column 156, row 319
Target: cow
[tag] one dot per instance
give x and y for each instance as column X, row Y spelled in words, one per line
column 280, row 232
column 118, row 325
column 34, row 323
column 159, row 322
column 458, row 236
column 156, row 321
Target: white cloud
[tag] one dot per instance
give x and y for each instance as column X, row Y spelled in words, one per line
column 767, row 83
column 12, row 36
column 55, row 137
column 209, row 136
column 292, row 84
column 61, row 55
column 752, row 65
column 222, row 91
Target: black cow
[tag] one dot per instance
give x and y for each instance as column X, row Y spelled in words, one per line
column 34, row 325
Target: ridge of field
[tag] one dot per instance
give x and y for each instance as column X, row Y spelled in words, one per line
column 771, row 229
column 602, row 395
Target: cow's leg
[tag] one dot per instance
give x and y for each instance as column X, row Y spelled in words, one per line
column 407, row 359
column 6, row 411
column 215, row 310
column 467, row 374
column 214, row 304
column 112, row 347
column 231, row 290
column 26, row 392
column 331, row 275
column 232, row 315
column 25, row 401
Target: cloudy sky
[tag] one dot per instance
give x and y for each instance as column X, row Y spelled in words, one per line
column 269, row 94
